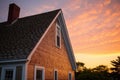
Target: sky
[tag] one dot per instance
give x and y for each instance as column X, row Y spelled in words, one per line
column 93, row 25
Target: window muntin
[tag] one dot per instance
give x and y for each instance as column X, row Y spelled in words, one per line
column 8, row 74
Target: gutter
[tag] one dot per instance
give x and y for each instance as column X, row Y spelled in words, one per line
column 13, row 61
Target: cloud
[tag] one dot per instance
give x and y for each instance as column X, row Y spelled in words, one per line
column 107, row 2
column 94, row 31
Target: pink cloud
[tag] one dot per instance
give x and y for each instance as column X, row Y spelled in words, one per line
column 92, row 31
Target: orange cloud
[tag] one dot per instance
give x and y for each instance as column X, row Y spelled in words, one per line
column 94, row 27
column 107, row 2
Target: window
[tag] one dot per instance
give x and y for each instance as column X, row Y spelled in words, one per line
column 18, row 73
column 55, row 75
column 69, row 76
column 11, row 73
column 58, row 36
column 39, row 73
column 8, row 74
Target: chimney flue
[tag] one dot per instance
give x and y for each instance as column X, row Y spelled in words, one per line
column 13, row 14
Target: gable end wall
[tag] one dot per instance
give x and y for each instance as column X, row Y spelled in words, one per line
column 50, row 57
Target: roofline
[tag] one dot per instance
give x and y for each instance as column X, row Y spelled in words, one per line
column 68, row 42
column 32, row 52
column 9, row 61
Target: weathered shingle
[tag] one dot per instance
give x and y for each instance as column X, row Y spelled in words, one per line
column 18, row 39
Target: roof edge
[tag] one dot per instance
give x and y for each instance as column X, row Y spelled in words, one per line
column 67, row 42
column 5, row 22
column 11, row 61
column 39, row 13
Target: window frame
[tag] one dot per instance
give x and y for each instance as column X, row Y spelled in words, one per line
column 19, row 72
column 54, row 73
column 39, row 68
column 4, row 70
column 13, row 66
column 69, row 76
column 58, row 34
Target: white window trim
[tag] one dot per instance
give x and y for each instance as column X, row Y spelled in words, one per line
column 68, row 75
column 54, row 73
column 57, row 26
column 3, row 72
column 14, row 70
column 39, row 68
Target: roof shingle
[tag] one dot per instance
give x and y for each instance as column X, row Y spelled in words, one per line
column 19, row 38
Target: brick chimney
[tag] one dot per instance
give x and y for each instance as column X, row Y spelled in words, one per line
column 13, row 13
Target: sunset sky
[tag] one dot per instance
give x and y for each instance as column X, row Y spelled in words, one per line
column 93, row 25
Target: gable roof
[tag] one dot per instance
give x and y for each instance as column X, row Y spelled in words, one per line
column 19, row 39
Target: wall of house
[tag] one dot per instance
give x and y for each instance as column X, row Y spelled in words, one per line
column 50, row 57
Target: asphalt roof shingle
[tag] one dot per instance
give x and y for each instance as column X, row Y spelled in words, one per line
column 18, row 39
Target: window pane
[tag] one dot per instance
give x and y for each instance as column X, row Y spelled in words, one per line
column 58, row 41
column 39, row 75
column 58, row 31
column 70, row 76
column 9, row 74
column 56, row 75
column 58, row 35
column 18, row 73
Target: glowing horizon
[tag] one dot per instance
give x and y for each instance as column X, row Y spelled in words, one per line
column 93, row 60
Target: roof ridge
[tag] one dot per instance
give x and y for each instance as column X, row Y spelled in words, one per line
column 41, row 13
column 35, row 15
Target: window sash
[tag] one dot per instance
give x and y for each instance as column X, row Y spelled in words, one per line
column 8, row 74
column 69, row 76
column 58, row 36
column 11, row 72
column 39, row 71
column 58, row 41
column 55, row 75
column 18, row 75
column 39, row 74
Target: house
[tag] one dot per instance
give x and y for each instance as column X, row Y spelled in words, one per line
column 35, row 47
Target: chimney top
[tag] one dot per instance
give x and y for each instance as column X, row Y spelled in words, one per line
column 13, row 13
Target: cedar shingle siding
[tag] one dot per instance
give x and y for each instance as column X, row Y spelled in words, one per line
column 51, row 57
